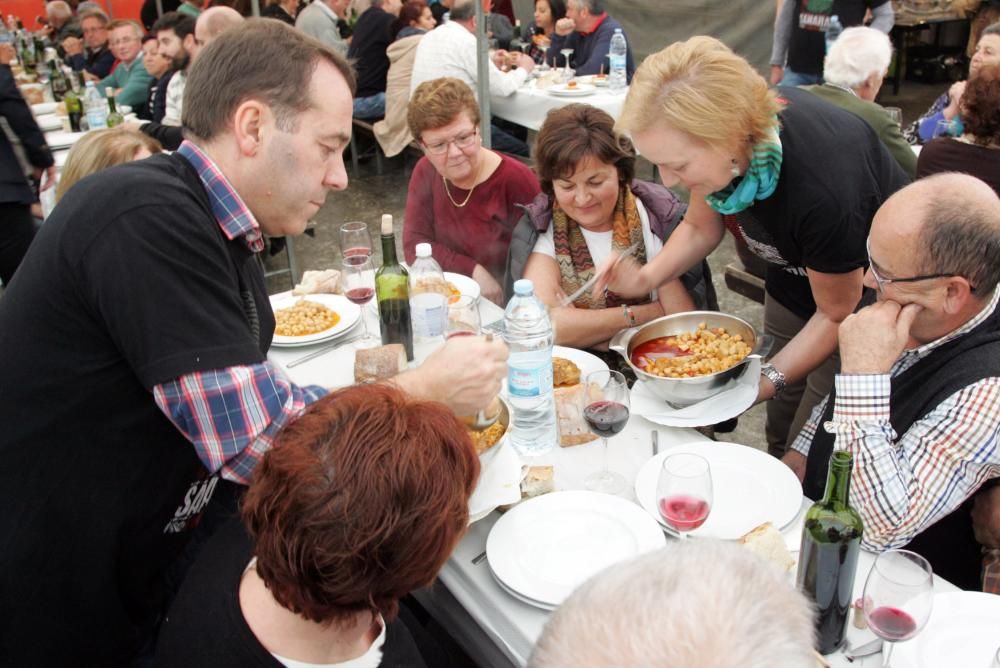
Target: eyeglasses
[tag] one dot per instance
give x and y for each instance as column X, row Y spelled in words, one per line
column 882, row 281
column 123, row 40
column 464, row 140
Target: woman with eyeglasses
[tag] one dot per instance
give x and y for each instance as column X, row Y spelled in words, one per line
column 798, row 178
column 463, row 198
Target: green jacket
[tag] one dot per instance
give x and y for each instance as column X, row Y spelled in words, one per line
column 875, row 116
column 134, row 81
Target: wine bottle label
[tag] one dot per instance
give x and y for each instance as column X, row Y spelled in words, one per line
column 529, row 381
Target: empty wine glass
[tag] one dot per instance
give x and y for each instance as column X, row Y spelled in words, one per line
column 684, row 492
column 944, row 128
column 359, row 287
column 895, row 113
column 567, row 73
column 355, row 239
column 605, row 407
column 463, row 318
column 898, row 598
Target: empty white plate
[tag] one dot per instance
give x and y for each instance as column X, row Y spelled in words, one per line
column 546, row 547
column 749, row 487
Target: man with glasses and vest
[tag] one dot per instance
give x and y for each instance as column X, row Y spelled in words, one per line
column 917, row 399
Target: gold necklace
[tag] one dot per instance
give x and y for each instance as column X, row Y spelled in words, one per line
column 471, row 190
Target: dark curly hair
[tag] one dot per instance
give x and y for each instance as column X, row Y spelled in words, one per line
column 360, row 501
column 577, row 131
column 981, row 106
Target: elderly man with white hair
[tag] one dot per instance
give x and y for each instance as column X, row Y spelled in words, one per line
column 62, row 23
column 853, row 73
column 695, row 603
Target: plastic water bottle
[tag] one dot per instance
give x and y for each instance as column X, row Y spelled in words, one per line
column 618, row 61
column 95, row 107
column 528, row 333
column 833, row 31
column 428, row 297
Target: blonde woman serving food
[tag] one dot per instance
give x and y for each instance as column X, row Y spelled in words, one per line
column 800, row 180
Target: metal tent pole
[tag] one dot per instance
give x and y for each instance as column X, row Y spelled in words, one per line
column 483, row 75
column 255, row 6
column 159, row 7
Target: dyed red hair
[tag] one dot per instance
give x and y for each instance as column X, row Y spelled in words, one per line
column 361, row 501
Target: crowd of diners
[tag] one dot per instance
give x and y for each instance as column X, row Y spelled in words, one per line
column 175, row 499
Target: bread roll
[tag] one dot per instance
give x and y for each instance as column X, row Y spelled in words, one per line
column 573, row 429
column 564, row 372
column 314, row 282
column 374, row 364
column 767, row 543
column 539, row 480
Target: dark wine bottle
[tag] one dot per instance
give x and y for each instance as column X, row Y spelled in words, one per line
column 74, row 105
column 828, row 560
column 57, row 81
column 392, row 289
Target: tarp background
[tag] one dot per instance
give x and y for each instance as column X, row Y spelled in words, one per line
column 746, row 26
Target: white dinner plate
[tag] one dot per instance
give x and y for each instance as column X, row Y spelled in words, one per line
column 964, row 630
column 580, row 90
column 749, row 487
column 593, row 80
column 49, row 122
column 546, row 547
column 734, row 401
column 466, row 285
column 59, row 139
column 588, row 363
column 523, row 599
column 499, row 481
column 349, row 314
column 43, row 108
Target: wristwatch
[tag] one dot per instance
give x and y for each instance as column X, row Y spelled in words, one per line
column 777, row 378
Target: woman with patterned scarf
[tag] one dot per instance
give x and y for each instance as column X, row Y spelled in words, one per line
column 590, row 206
column 799, row 178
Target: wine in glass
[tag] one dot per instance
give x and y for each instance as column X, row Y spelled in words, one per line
column 463, row 318
column 684, row 492
column 355, row 239
column 898, row 598
column 359, row 287
column 605, row 407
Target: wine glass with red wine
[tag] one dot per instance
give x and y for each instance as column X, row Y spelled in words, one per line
column 359, row 287
column 463, row 318
column 605, row 407
column 898, row 598
column 684, row 492
column 355, row 239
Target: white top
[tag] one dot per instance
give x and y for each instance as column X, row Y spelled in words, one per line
column 175, row 97
column 599, row 243
column 450, row 51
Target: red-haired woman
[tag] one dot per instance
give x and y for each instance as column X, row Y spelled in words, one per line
column 360, row 501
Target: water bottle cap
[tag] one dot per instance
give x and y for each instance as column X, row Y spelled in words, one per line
column 423, row 250
column 618, row 30
column 524, row 287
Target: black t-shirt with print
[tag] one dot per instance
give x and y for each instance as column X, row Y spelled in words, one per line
column 807, row 43
column 835, row 173
column 205, row 627
column 129, row 284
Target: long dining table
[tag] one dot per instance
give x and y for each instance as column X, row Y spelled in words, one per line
column 494, row 628
column 529, row 105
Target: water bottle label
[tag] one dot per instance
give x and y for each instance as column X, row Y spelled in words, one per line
column 617, row 61
column 529, row 381
column 428, row 320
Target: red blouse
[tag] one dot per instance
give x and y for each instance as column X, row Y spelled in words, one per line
column 479, row 232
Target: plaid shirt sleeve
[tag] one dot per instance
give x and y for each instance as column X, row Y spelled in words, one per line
column 901, row 487
column 232, row 415
column 804, row 440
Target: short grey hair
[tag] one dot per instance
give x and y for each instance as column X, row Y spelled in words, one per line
column 960, row 233
column 595, row 7
column 991, row 29
column 856, row 55
column 59, row 8
column 462, row 10
column 694, row 603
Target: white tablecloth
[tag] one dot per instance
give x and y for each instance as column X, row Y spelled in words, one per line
column 528, row 106
column 494, row 628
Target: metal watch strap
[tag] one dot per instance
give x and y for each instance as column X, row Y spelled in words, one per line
column 777, row 378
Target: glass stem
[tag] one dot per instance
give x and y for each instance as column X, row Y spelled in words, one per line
column 886, row 653
column 606, row 469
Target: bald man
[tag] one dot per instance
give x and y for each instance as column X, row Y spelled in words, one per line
column 211, row 23
column 917, row 400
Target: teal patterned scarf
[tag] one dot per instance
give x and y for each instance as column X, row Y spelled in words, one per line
column 758, row 183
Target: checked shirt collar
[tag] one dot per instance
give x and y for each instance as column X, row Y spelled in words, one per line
column 228, row 207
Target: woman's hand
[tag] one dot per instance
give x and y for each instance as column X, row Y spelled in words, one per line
column 954, row 99
column 488, row 285
column 777, row 74
column 623, row 276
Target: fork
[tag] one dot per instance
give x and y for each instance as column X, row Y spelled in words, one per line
column 566, row 301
